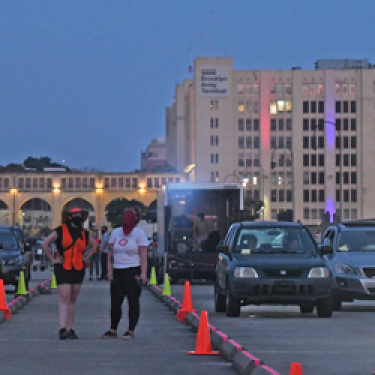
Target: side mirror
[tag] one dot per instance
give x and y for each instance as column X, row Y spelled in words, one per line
column 221, row 248
column 326, row 249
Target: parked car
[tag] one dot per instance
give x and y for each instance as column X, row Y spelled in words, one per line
column 15, row 255
column 272, row 263
column 352, row 260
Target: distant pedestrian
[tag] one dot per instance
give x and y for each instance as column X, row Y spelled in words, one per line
column 128, row 245
column 95, row 258
column 72, row 240
column 104, row 252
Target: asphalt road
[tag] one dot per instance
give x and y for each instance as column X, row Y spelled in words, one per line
column 279, row 335
column 29, row 343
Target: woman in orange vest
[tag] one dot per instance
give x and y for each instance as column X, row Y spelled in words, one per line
column 72, row 240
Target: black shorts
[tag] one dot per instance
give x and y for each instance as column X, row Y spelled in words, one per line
column 64, row 276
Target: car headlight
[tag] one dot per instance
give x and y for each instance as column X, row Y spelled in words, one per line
column 245, row 272
column 319, row 273
column 345, row 269
column 15, row 261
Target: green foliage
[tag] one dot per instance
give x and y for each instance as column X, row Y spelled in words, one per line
column 115, row 210
column 40, row 163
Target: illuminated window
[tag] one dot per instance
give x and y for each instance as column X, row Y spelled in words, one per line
column 280, row 105
column 288, row 88
column 312, row 89
column 338, row 88
column 353, row 89
column 288, row 106
column 240, row 88
column 320, row 88
column 280, row 180
column 305, row 89
column 273, row 108
column 214, row 105
column 255, row 180
column 241, row 107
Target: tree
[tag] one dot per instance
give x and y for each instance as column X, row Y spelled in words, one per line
column 115, row 210
column 151, row 212
column 252, row 209
column 40, row 163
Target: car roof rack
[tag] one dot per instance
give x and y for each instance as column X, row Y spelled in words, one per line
column 358, row 223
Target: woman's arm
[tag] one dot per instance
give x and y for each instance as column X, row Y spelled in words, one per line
column 47, row 250
column 91, row 249
column 142, row 250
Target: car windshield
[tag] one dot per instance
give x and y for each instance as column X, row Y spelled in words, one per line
column 356, row 241
column 274, row 240
column 8, row 241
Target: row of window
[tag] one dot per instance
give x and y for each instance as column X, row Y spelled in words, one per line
column 248, row 88
column 281, row 178
column 279, row 142
column 313, row 107
column 318, row 124
column 281, row 195
column 283, row 125
column 214, row 158
column 319, row 196
column 249, row 106
column 313, row 214
column 249, row 124
column 251, row 142
column 281, row 106
column 248, row 160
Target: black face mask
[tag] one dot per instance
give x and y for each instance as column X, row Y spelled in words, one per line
column 77, row 221
column 103, row 231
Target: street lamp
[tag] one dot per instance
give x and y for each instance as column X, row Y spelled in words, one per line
column 273, row 165
column 340, row 161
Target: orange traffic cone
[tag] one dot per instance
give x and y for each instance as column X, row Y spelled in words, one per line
column 187, row 303
column 295, row 368
column 203, row 343
column 3, row 303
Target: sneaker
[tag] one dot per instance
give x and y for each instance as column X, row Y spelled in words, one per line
column 63, row 333
column 71, row 335
column 128, row 335
column 109, row 335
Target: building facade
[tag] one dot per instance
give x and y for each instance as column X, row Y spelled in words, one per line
column 284, row 132
column 155, row 155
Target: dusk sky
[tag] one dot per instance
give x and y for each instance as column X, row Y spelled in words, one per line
column 88, row 81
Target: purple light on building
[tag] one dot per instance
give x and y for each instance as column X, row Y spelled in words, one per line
column 330, row 132
column 330, row 207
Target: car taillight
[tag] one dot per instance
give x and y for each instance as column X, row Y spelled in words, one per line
column 154, row 245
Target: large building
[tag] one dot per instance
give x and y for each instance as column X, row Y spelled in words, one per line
column 284, row 131
column 154, row 158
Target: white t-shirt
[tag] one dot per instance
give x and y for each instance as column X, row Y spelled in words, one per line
column 125, row 247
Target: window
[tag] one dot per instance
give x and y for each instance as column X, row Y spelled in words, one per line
column 289, row 195
column 337, row 195
column 306, row 178
column 248, row 124
column 156, row 182
column 35, row 183
column 320, row 107
column 149, row 182
column 255, row 89
column 346, row 178
column 313, row 195
column 338, row 142
column 313, row 214
column 352, row 88
column 49, row 183
column 273, row 124
column 345, row 89
column 337, row 177
column 338, row 161
column 249, row 143
column 338, row 124
column 281, row 142
column 305, row 124
column 241, row 162
column 354, row 213
column 353, row 142
column 288, row 124
column 240, row 125
column 305, row 89
column 321, row 124
column 338, row 89
column 312, row 89
column 288, row 88
column 281, row 195
column 305, row 142
column 313, row 124
column 345, row 124
column 353, row 177
column 241, row 107
column 353, row 160
column 106, row 182
column 240, row 88
column 177, row 179
column 313, row 107
column 281, row 124
column 134, row 182
column 306, row 213
column 313, row 160
column 313, row 178
column 256, row 143
column 256, row 124
column 274, row 214
column 248, row 88
column 241, row 143
column 320, row 142
column 127, row 182
column 305, row 107
column 345, row 106
column 113, row 182
column 346, row 195
column 306, row 195
column 63, row 183
column 321, row 160
column 163, row 180
column 273, row 108
column 306, row 160
column 248, row 160
column 320, row 88
column 353, row 124
column 346, row 214
column 289, row 142
column 217, row 158
column 273, row 195
column 346, row 160
column 92, row 182
column 27, row 184
column 273, row 178
column 280, row 89
column 255, row 107
column 214, row 105
column 321, row 177
column 20, row 183
column 338, row 107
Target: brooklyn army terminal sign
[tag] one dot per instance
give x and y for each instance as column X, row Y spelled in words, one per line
column 214, row 81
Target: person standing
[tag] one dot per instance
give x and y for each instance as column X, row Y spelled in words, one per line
column 128, row 245
column 104, row 252
column 95, row 258
column 72, row 240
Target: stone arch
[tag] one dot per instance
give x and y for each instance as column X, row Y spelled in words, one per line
column 84, row 204
column 35, row 216
column 4, row 213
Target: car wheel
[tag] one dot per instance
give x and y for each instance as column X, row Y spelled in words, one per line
column 337, row 304
column 325, row 307
column 307, row 308
column 219, row 301
column 232, row 304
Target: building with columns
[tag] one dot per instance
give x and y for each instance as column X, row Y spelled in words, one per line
column 293, row 135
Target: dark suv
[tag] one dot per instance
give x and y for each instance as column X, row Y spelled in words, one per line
column 352, row 260
column 271, row 263
column 15, row 255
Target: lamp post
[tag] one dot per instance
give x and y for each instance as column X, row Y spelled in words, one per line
column 273, row 165
column 340, row 162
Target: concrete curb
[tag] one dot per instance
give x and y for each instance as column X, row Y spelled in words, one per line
column 247, row 364
column 228, row 349
column 2, row 317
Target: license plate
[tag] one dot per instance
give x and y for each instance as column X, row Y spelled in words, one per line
column 284, row 286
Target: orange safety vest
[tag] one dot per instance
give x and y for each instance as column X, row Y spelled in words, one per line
column 73, row 255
